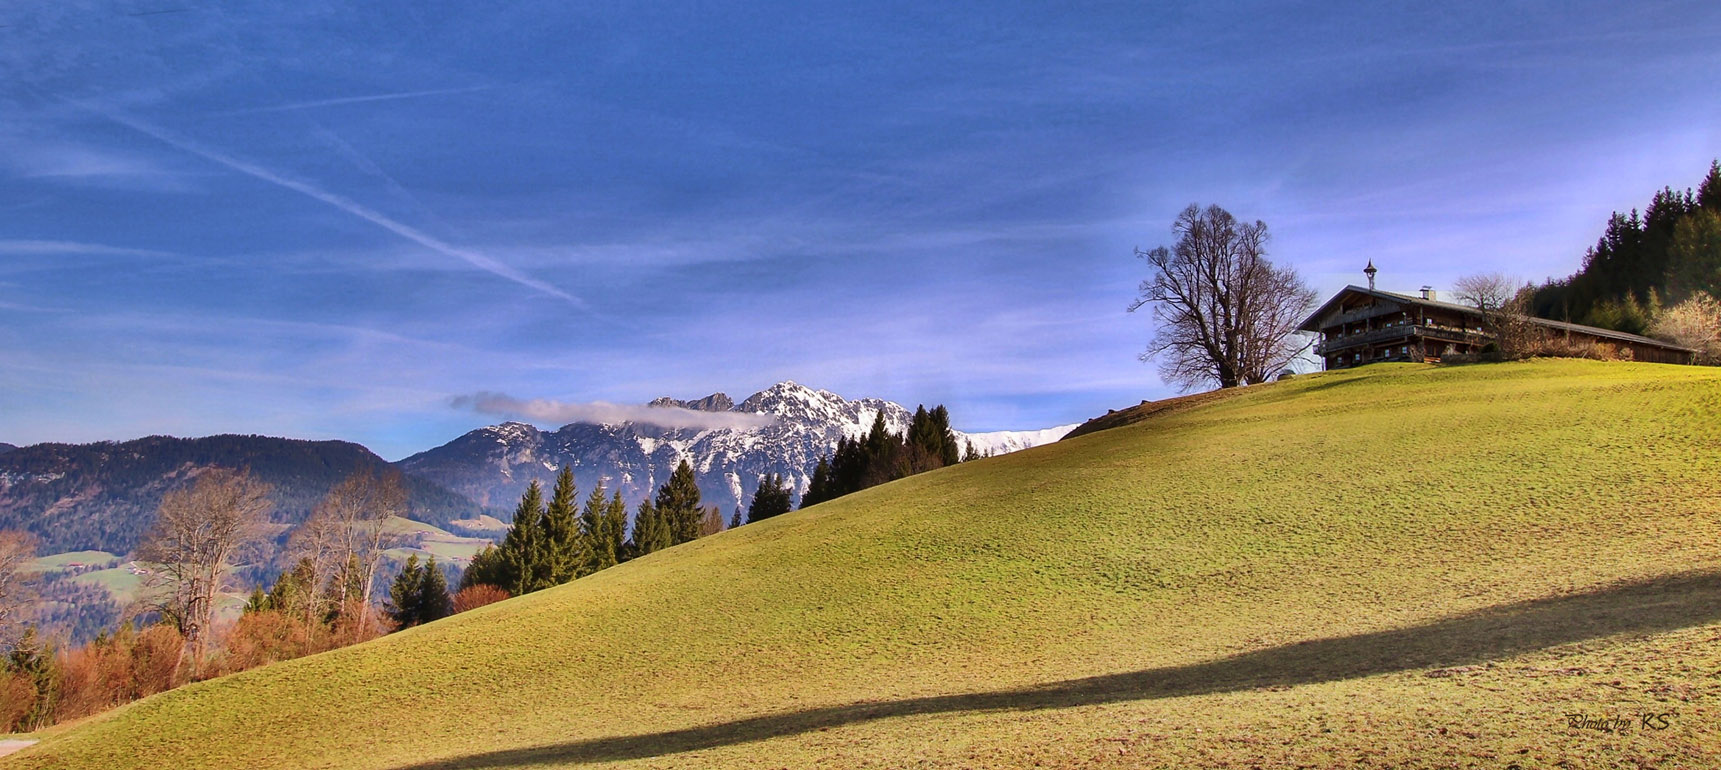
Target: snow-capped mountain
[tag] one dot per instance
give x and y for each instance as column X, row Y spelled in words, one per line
column 493, row 465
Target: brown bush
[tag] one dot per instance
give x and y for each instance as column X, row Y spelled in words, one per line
column 17, row 698
column 155, row 661
column 119, row 669
column 355, row 624
column 473, row 597
column 270, row 636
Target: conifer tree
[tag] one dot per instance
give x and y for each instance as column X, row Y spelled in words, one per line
column 819, row 486
column 564, row 547
column 678, row 505
column 1709, row 192
column 735, row 520
column 882, row 452
column 771, row 499
column 487, row 568
column 948, row 451
column 650, row 532
column 433, row 601
column 523, row 547
column 600, row 552
column 406, row 593
column 615, row 529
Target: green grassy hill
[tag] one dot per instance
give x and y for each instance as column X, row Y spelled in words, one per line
column 1399, row 565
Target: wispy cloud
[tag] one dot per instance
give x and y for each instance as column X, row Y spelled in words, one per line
column 337, row 101
column 71, row 248
column 343, row 203
column 27, row 308
column 604, row 413
column 90, row 167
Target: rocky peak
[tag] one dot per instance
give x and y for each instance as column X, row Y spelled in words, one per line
column 716, row 402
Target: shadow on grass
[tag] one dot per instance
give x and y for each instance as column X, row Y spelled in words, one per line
column 1635, row 608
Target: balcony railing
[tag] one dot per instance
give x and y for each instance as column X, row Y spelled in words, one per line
column 1376, row 336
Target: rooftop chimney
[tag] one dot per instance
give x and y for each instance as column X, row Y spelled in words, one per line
column 1370, row 271
column 1428, row 292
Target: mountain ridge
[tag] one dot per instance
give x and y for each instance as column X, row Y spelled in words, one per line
column 493, row 465
column 103, row 495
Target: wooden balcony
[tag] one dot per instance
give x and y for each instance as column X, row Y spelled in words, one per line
column 1392, row 334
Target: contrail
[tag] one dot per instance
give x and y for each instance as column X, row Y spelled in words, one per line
column 343, row 203
column 348, row 100
column 365, row 164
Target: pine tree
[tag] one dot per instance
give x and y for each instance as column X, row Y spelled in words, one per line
column 948, row 451
column 295, row 591
column 488, row 568
column 523, row 547
column 615, row 529
column 678, row 505
column 433, row 600
column 564, row 546
column 600, row 551
column 771, row 499
column 1709, row 192
column 1695, row 255
column 735, row 520
column 406, row 594
column 650, row 532
column 819, row 486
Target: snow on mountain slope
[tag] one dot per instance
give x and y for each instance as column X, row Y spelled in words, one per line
column 493, row 465
column 1005, row 441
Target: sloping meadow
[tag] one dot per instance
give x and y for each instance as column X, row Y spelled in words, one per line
column 1395, row 565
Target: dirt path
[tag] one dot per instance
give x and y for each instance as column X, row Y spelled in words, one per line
column 11, row 745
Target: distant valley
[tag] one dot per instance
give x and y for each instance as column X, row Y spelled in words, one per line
column 103, row 496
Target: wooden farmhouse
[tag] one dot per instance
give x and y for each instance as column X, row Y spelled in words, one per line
column 1363, row 326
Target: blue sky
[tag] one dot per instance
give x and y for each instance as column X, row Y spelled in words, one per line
column 329, row 220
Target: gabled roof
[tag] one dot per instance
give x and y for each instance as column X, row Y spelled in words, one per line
column 1312, row 323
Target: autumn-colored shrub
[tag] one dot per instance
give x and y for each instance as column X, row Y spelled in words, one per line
column 473, row 597
column 18, row 697
column 356, row 624
column 117, row 669
column 270, row 636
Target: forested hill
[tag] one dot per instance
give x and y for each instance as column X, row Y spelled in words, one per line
column 1661, row 256
column 104, row 496
column 5, row 447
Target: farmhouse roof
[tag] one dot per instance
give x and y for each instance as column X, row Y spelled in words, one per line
column 1312, row 323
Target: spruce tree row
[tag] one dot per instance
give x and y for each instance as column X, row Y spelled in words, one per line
column 881, row 456
column 552, row 543
column 419, row 594
column 1665, row 254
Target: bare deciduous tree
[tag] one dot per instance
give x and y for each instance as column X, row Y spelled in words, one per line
column 346, row 534
column 1227, row 315
column 200, row 533
column 16, row 551
column 1694, row 323
column 1505, row 306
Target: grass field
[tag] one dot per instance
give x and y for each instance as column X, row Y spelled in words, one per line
column 61, row 561
column 118, row 580
column 404, row 527
column 1401, row 565
column 416, row 538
